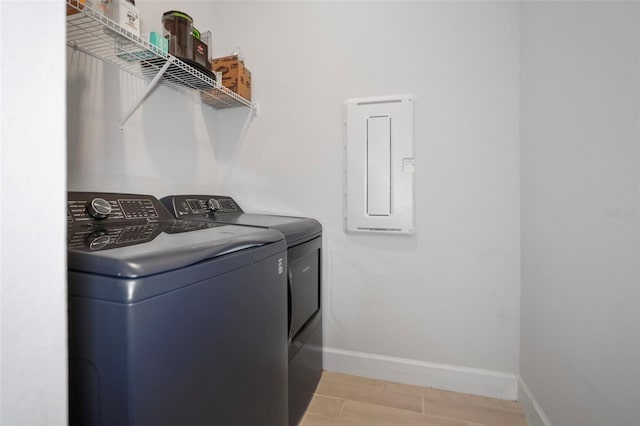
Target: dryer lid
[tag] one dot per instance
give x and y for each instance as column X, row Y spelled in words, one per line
column 296, row 230
column 224, row 209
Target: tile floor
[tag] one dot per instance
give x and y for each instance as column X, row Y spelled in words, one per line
column 349, row 400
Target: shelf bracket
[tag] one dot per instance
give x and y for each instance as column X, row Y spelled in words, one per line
column 152, row 84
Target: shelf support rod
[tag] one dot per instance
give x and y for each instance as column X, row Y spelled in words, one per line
column 152, row 84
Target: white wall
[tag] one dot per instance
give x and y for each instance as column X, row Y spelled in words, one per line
column 449, row 295
column 32, row 210
column 580, row 210
column 453, row 297
column 168, row 146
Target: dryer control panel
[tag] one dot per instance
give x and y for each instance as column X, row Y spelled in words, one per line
column 185, row 206
column 107, row 207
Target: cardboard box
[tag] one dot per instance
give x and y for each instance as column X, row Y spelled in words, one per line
column 77, row 3
column 235, row 76
column 99, row 6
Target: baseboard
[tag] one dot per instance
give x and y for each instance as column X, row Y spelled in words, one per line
column 532, row 410
column 495, row 384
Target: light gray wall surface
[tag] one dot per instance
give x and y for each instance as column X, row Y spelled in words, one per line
column 33, row 296
column 448, row 295
column 453, row 293
column 580, row 182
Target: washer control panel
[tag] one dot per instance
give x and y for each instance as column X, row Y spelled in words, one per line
column 90, row 207
column 184, row 206
column 94, row 238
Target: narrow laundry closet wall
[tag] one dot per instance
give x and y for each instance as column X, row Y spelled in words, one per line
column 168, row 146
column 580, row 151
column 401, row 308
column 33, row 291
column 405, row 308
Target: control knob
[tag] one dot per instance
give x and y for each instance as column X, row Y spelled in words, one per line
column 213, row 204
column 97, row 240
column 98, row 208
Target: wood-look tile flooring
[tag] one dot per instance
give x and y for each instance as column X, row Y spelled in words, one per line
column 342, row 400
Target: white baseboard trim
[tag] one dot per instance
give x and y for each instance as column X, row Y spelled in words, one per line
column 532, row 410
column 495, row 384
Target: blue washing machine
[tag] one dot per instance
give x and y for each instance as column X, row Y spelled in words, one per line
column 173, row 322
column 304, row 242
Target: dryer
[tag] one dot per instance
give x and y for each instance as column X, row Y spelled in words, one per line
column 304, row 242
column 173, row 322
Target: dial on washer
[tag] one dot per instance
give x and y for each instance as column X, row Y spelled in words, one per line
column 213, row 204
column 98, row 208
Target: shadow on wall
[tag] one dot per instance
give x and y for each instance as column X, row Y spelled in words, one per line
column 395, row 243
column 228, row 132
column 171, row 142
column 91, row 136
column 173, row 132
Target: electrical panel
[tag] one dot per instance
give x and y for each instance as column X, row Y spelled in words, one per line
column 379, row 165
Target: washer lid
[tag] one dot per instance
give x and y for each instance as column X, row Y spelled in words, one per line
column 137, row 250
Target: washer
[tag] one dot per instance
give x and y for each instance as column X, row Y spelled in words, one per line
column 173, row 322
column 304, row 242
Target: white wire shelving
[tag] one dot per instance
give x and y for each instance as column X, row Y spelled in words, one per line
column 93, row 33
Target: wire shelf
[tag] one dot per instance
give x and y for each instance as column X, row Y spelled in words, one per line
column 93, row 33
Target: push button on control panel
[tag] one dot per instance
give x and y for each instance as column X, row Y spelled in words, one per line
column 138, row 208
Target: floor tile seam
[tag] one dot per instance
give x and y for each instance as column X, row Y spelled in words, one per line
column 346, row 382
column 377, row 388
column 344, row 403
column 453, row 404
column 327, row 396
column 334, row 420
column 385, row 388
column 386, row 384
column 508, row 410
column 435, row 416
column 514, row 410
column 468, row 422
column 491, row 407
column 394, row 408
column 327, row 416
column 454, row 419
column 419, row 411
